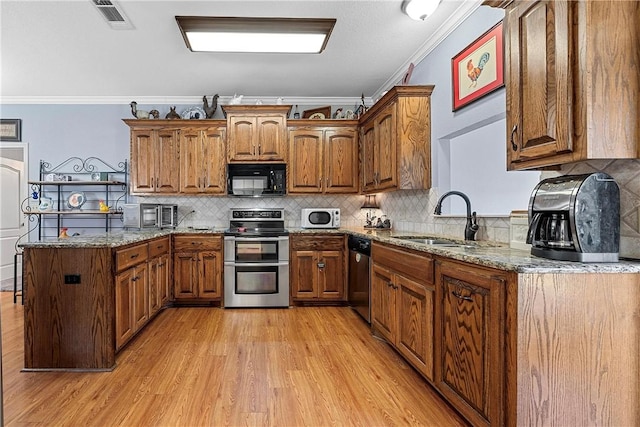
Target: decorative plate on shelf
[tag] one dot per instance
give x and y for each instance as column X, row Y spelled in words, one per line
column 76, row 200
column 317, row 116
column 196, row 113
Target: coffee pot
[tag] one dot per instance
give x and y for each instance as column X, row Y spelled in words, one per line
column 575, row 218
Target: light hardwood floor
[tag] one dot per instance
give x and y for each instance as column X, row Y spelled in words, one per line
column 215, row 367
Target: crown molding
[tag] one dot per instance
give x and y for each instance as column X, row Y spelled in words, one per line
column 177, row 100
column 461, row 13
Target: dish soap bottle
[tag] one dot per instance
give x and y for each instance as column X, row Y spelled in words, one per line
column 296, row 115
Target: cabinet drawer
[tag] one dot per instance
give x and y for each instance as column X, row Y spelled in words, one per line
column 410, row 263
column 197, row 243
column 158, row 247
column 126, row 258
column 317, row 243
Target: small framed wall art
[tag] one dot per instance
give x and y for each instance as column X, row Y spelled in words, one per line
column 11, row 130
column 479, row 68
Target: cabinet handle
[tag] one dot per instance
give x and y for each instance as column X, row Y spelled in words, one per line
column 514, row 146
column 134, row 256
column 460, row 296
column 259, row 149
column 321, row 265
column 196, row 243
column 134, row 278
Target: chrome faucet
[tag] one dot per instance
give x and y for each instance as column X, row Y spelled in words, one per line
column 471, row 228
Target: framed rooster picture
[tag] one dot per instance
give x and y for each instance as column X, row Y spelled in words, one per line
column 479, row 68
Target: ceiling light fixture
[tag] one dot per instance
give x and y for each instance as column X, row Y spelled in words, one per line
column 263, row 35
column 419, row 9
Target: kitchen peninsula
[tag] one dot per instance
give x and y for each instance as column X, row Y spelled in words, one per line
column 554, row 341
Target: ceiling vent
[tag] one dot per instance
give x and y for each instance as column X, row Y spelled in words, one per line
column 112, row 14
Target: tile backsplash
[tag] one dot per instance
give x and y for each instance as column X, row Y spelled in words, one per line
column 412, row 210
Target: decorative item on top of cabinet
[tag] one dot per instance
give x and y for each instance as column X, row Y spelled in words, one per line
column 197, row 268
column 256, row 132
column 396, row 141
column 172, row 114
column 402, row 303
column 317, row 268
column 323, row 160
column 210, row 110
column 572, row 81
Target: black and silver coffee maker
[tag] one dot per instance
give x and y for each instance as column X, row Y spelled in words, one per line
column 575, row 218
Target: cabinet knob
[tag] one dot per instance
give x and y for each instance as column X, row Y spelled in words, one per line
column 514, row 146
column 321, row 264
column 461, row 297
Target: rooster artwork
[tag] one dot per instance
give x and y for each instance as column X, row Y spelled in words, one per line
column 474, row 72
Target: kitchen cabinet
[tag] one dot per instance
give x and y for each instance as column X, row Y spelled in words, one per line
column 572, row 81
column 257, row 132
column 154, row 160
column 159, row 274
column 132, row 292
column 317, row 267
column 323, row 160
column 396, row 141
column 197, row 267
column 470, row 340
column 402, row 303
column 202, row 160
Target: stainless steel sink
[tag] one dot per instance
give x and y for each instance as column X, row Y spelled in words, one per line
column 436, row 242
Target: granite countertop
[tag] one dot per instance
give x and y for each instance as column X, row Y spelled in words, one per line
column 489, row 254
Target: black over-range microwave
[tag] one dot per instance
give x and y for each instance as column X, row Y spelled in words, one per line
column 256, row 179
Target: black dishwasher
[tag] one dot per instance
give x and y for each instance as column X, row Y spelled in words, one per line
column 359, row 295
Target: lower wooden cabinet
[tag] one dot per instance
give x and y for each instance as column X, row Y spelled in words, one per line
column 402, row 303
column 198, row 267
column 317, row 270
column 470, row 346
column 159, row 274
column 132, row 294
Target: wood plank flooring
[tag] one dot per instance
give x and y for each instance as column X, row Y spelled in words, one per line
column 301, row 366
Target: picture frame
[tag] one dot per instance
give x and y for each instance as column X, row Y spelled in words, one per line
column 407, row 76
column 11, row 130
column 325, row 111
column 478, row 69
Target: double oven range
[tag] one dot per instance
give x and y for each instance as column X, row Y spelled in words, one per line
column 256, row 259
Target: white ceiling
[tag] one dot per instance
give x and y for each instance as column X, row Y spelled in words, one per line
column 57, row 51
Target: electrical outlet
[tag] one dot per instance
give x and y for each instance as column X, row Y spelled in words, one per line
column 71, row 279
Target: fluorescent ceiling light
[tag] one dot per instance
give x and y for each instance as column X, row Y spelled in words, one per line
column 420, row 9
column 263, row 35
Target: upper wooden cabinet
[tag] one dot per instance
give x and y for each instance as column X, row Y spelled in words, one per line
column 202, row 160
column 257, row 132
column 572, row 75
column 323, row 159
column 396, row 140
column 154, row 154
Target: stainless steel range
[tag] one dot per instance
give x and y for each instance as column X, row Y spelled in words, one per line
column 256, row 259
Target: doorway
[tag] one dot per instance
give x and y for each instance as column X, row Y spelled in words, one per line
column 13, row 190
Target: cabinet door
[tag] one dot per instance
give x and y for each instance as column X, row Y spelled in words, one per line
column 331, row 275
column 155, row 301
column 341, row 161
column 470, row 340
column 305, row 168
column 213, row 161
column 385, row 148
column 368, row 156
column 190, row 158
column 271, row 138
column 242, row 136
column 140, row 283
column 163, row 280
column 415, row 313
column 167, row 165
column 383, row 303
column 185, row 275
column 303, row 274
column 143, row 161
column 539, row 96
column 124, row 307
column 210, row 274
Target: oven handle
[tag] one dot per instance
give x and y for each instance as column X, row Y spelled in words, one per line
column 256, row 239
column 257, row 264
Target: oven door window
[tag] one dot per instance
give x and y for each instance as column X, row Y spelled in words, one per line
column 256, row 280
column 320, row 218
column 256, row 251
